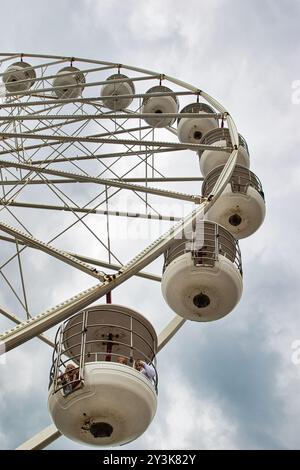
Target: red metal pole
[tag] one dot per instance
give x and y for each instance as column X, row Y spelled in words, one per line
column 109, row 347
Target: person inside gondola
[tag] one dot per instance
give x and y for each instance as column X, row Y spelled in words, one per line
column 146, row 369
column 122, row 360
column 70, row 379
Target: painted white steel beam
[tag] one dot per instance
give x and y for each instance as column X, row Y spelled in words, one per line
column 103, row 181
column 41, row 440
column 16, row 320
column 103, row 116
column 126, row 180
column 50, row 250
column 136, row 152
column 103, row 140
column 84, row 85
column 169, row 331
column 90, row 100
column 97, row 262
column 37, row 325
column 86, row 210
column 155, row 248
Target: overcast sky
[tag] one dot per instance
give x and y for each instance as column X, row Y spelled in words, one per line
column 226, row 384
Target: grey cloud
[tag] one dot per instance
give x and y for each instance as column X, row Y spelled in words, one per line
column 246, row 55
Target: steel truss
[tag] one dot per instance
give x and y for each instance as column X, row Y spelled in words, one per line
column 30, row 164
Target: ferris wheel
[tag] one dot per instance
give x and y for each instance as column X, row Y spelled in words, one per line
column 88, row 149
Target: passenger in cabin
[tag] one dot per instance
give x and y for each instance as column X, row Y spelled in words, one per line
column 122, row 360
column 146, row 369
column 70, row 379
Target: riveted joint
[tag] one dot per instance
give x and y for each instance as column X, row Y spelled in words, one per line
column 161, row 78
column 109, row 277
column 198, row 93
column 223, row 118
column 198, row 199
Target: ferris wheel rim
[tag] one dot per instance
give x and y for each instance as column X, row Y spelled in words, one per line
column 126, row 270
column 231, row 125
column 192, row 88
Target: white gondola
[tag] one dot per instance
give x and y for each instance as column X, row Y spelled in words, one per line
column 159, row 105
column 210, row 159
column 106, row 403
column 68, row 83
column 202, row 278
column 190, row 130
column 114, row 89
column 241, row 207
column 14, row 77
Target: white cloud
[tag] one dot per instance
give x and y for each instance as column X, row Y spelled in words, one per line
column 247, row 57
column 190, row 420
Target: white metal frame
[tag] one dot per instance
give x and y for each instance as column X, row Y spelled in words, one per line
column 37, row 325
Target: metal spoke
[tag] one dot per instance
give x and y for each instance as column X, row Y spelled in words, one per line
column 146, row 143
column 86, row 85
column 104, row 116
column 12, row 289
column 91, row 100
column 63, row 256
column 16, row 320
column 115, row 183
column 22, row 280
column 113, row 155
column 97, row 262
column 27, row 330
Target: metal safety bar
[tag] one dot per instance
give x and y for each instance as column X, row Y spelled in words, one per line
column 61, row 353
column 205, row 243
column 191, row 110
column 240, row 180
column 159, row 90
column 219, row 134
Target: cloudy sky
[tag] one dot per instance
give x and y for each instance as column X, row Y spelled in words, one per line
column 230, row 384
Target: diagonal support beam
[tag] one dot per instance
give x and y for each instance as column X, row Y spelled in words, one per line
column 102, row 140
column 16, row 320
column 86, row 85
column 41, row 440
column 169, row 331
column 49, row 318
column 86, row 210
column 177, row 322
column 97, row 262
column 217, row 190
column 50, row 250
column 30, row 328
column 91, row 100
column 103, row 181
column 117, row 267
column 104, row 116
